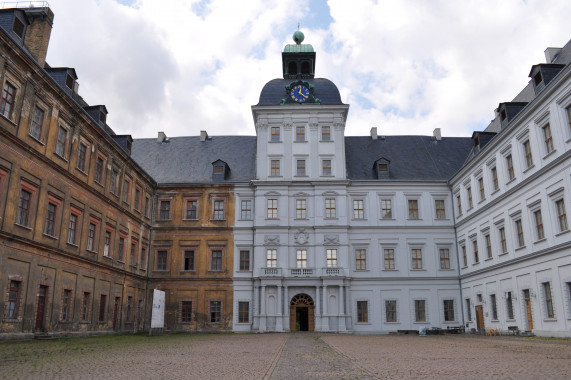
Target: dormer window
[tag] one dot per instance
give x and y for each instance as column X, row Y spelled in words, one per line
column 69, row 82
column 382, row 168
column 102, row 117
column 503, row 115
column 219, row 171
column 537, row 78
column 18, row 27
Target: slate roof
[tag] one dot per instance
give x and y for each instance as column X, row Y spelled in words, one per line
column 412, row 158
column 188, row 160
column 274, row 91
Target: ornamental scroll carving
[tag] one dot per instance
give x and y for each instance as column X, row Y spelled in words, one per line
column 301, row 237
column 331, row 240
column 272, row 240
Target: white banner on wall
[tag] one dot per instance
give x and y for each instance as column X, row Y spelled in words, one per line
column 158, row 315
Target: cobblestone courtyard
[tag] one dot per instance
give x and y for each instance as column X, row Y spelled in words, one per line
column 287, row 356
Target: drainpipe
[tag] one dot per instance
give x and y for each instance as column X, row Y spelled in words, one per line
column 149, row 262
column 253, row 254
column 457, row 256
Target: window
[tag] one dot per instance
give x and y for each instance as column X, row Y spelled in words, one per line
column 444, row 258
column 215, row 311
column 13, row 306
column 391, row 310
column 126, row 185
column 8, row 100
column 386, row 209
column 99, row 169
column 358, row 209
column 219, row 170
column 272, row 208
column 272, row 258
column 503, row 241
column 24, row 208
column 519, row 231
column 488, row 245
column 143, row 257
column 86, row 307
column 243, row 312
column 246, row 209
column 440, row 209
column 165, row 210
column 275, row 168
column 50, row 219
column 218, row 213
column 548, row 138
column 121, row 251
column 191, row 209
column 449, row 310
column 72, row 228
column 37, row 121
column 464, row 256
column 330, row 208
column 102, row 307
column 81, row 156
column 548, row 300
column 419, row 310
column 494, row 307
column 91, row 236
column 107, row 243
column 18, row 27
column 326, row 167
column 528, row 156
column 469, row 193
column 300, row 168
column 468, row 310
column 61, row 141
column 509, row 305
column 389, row 258
column 301, row 258
column 133, row 256
column 162, row 260
column 299, row 134
column 300, row 209
column 113, row 187
column 66, row 304
column 538, row 225
column 413, row 209
column 275, row 134
column 362, row 312
column 326, row 133
column 361, row 259
column 216, row 261
column 129, row 313
column 561, row 215
column 137, row 204
column 186, row 311
column 510, row 167
column 147, row 201
column 495, row 178
column 459, row 203
column 476, row 253
column 481, row 186
column 244, row 260
column 416, row 258
column 331, row 258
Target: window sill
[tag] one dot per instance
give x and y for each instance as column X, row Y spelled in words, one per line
column 409, row 219
column 510, row 320
column 195, row 219
column 98, row 183
column 245, row 220
column 163, row 220
column 540, row 241
column 107, row 257
column 528, row 168
column 330, row 218
column 550, row 154
column 495, row 191
column 394, row 270
column 61, row 157
column 244, row 271
column 191, row 271
column 91, row 251
column 488, row 259
column 446, row 269
column 511, row 180
column 392, row 323
column 450, row 322
column 464, row 267
column 275, row 142
column 72, row 244
column 215, row 271
column 275, row 176
column 476, row 263
column 22, row 226
column 359, row 219
column 272, row 219
column 362, row 270
column 443, row 219
column 82, row 172
column 562, row 233
column 481, row 201
column 387, row 218
column 550, row 320
column 217, row 220
column 326, row 176
column 301, row 219
column 418, row 270
column 300, row 142
column 503, row 254
column 37, row 140
column 49, row 236
column 419, row 322
column 301, row 176
column 520, row 248
column 161, row 270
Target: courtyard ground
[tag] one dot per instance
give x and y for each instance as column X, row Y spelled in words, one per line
column 287, row 356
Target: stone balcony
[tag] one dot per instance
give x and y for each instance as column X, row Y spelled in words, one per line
column 332, row 272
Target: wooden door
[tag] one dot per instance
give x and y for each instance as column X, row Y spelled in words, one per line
column 527, row 301
column 41, row 302
column 479, row 317
column 292, row 318
column 311, row 318
column 116, row 313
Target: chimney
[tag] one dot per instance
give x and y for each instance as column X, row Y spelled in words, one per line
column 551, row 53
column 161, row 137
column 203, row 136
column 437, row 134
column 38, row 32
column 374, row 133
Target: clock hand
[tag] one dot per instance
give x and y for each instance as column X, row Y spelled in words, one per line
column 305, row 96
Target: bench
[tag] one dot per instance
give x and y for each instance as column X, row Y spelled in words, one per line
column 514, row 330
column 407, row 332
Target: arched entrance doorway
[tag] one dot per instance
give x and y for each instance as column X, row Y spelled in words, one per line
column 301, row 313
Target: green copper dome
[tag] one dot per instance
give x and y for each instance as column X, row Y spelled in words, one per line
column 298, row 37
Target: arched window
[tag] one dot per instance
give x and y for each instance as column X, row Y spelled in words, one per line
column 305, row 67
column 292, row 68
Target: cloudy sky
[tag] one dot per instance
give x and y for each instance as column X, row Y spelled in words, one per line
column 406, row 67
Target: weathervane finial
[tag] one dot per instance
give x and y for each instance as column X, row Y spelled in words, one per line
column 298, row 23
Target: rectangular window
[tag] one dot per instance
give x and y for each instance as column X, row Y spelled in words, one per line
column 301, row 258
column 300, row 209
column 326, row 133
column 243, row 312
column 360, row 259
column 129, row 313
column 389, row 258
column 416, row 258
column 50, row 219
column 495, row 178
column 539, row 225
column 548, row 300
column 113, row 187
column 459, row 203
column 528, row 156
column 391, row 310
column 165, row 210
column 186, row 311
column 246, row 209
column 86, row 306
column 143, row 257
column 102, row 307
column 272, row 208
column 449, row 310
column 510, row 167
column 299, row 134
column 561, row 215
column 91, row 236
column 191, row 209
column 61, row 141
column 24, row 208
column 413, row 209
column 548, row 138
column 464, row 256
column 444, row 258
column 133, row 256
column 147, row 201
column 99, row 169
column 121, row 252
column 362, row 312
column 66, row 305
column 358, row 209
column 476, row 253
column 272, row 258
column 72, row 229
column 503, row 242
column 275, row 168
column 218, row 213
column 81, row 156
column 275, row 134
column 331, row 258
column 216, row 261
column 488, row 245
column 330, row 208
column 419, row 310
column 8, row 100
column 244, row 260
column 126, row 185
column 37, row 121
column 137, row 204
column 107, row 243
column 509, row 306
column 326, row 167
column 440, row 209
column 13, row 307
column 494, row 307
column 468, row 310
column 215, row 311
column 162, row 260
column 386, row 209
column 300, row 168
column 519, row 230
column 481, row 186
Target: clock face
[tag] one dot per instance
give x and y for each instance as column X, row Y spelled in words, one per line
column 299, row 93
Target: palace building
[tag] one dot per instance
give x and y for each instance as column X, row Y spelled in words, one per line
column 296, row 228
